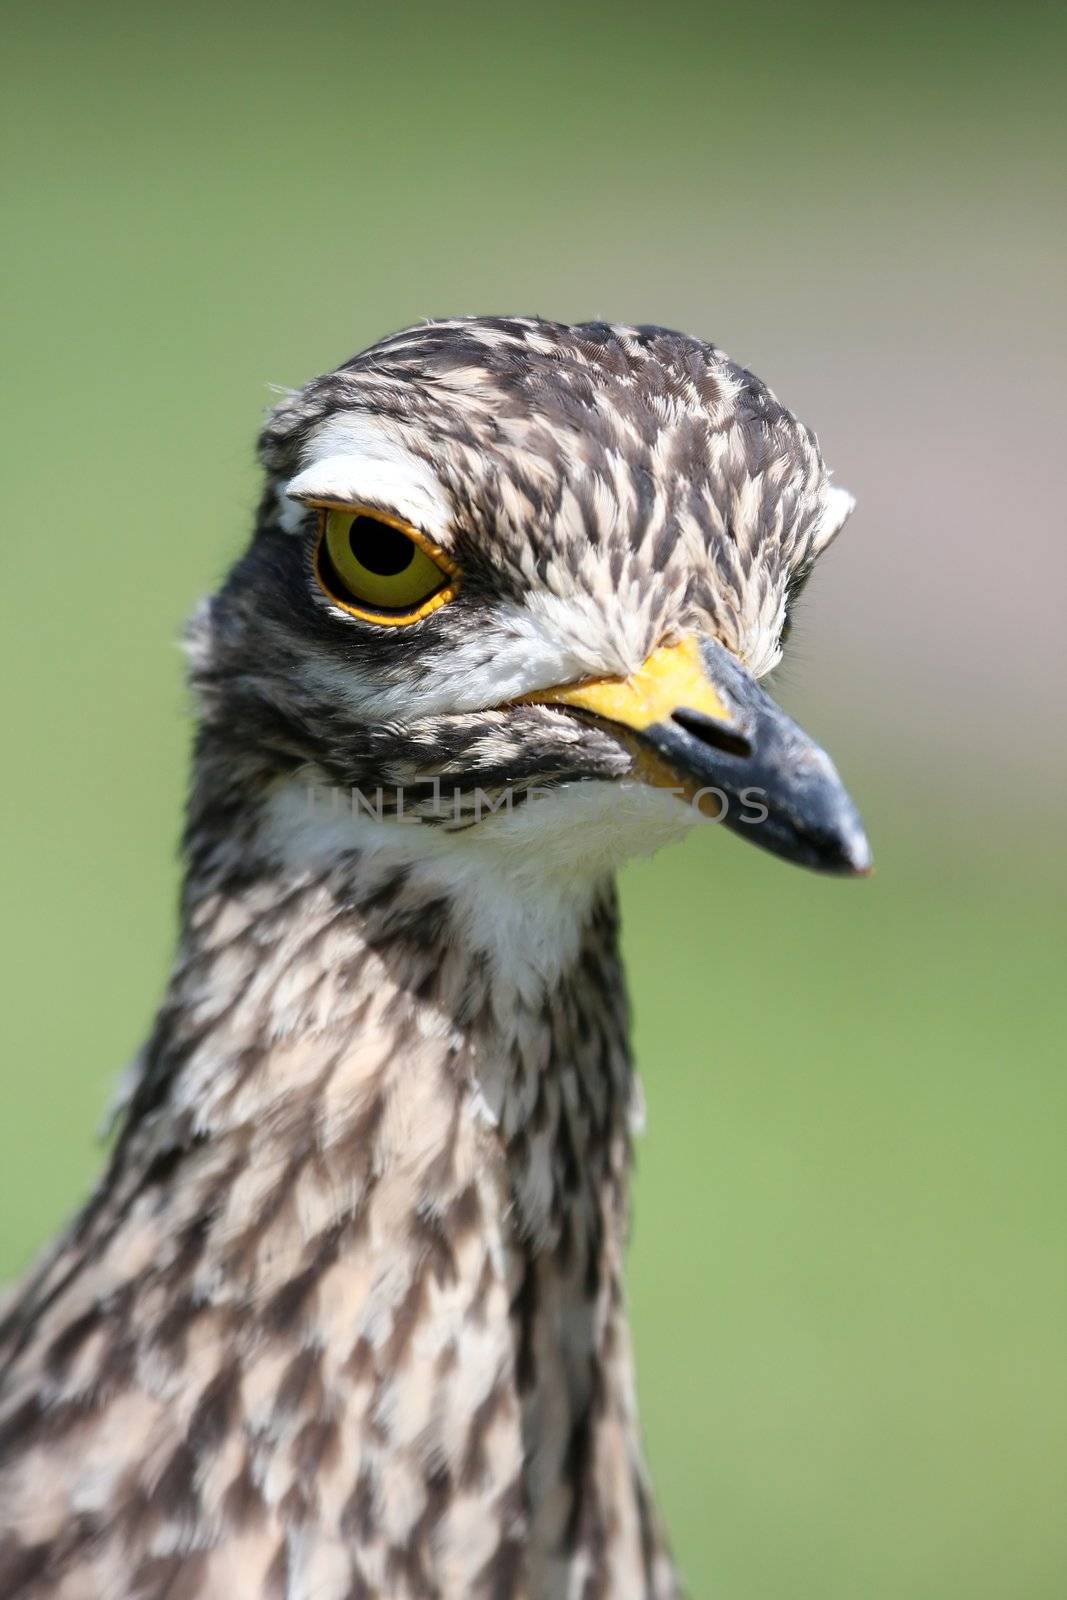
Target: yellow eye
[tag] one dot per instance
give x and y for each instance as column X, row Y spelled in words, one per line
column 379, row 569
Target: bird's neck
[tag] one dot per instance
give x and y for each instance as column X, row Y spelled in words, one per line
column 385, row 1113
column 346, row 1011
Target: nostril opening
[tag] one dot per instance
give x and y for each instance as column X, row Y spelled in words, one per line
column 710, row 731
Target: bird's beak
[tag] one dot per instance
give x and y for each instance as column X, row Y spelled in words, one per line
column 698, row 722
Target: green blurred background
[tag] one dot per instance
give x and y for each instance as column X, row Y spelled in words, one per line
column 848, row 1272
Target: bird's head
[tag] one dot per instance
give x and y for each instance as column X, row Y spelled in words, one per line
column 522, row 579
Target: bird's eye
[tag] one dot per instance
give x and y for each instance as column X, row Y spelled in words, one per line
column 380, row 570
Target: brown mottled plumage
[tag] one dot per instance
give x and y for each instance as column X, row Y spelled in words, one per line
column 345, row 1317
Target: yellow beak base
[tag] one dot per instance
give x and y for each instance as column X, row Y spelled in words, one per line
column 673, row 676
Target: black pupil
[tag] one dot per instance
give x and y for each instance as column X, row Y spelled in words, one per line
column 378, row 547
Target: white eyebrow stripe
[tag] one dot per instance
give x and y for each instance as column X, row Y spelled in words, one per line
column 353, row 460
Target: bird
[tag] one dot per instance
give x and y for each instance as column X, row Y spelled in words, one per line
column 344, row 1316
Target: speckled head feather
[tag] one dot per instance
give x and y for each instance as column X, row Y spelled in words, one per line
column 344, row 1317
column 606, row 486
